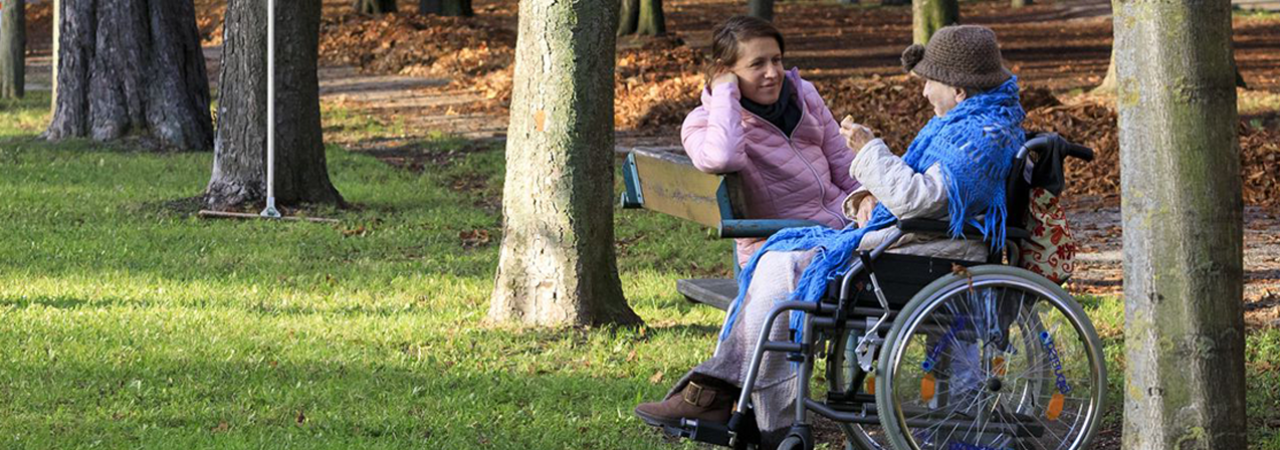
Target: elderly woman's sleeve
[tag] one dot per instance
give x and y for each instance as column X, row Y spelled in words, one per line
column 905, row 192
column 712, row 135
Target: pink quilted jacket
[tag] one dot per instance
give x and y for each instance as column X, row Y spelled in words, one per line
column 806, row 177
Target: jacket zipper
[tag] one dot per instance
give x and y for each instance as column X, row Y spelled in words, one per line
column 822, row 195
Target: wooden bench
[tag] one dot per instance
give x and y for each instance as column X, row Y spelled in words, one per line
column 662, row 180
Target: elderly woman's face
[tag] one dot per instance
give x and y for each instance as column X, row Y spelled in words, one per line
column 759, row 70
column 942, row 97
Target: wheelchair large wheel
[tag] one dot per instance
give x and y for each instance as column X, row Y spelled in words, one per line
column 998, row 359
column 845, row 375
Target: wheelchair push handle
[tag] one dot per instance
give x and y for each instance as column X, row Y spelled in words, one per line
column 1079, row 151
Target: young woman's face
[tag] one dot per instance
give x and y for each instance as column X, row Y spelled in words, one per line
column 942, row 97
column 759, row 70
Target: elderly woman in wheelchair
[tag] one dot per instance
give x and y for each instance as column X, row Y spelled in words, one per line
column 928, row 342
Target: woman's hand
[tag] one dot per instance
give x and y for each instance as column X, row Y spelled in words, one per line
column 724, row 77
column 855, row 135
column 865, row 208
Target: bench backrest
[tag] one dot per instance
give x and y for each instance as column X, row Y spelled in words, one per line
column 673, row 186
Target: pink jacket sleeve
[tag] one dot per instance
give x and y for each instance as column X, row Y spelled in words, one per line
column 712, row 134
column 839, row 157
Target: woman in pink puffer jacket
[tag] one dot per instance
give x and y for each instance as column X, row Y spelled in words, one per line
column 770, row 127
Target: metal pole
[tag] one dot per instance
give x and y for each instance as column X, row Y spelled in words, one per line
column 271, row 210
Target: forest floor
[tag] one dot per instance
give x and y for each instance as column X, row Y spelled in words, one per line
column 417, row 80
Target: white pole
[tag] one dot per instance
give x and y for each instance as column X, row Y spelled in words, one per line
column 271, row 210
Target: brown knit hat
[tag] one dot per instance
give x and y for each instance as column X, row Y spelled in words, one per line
column 964, row 56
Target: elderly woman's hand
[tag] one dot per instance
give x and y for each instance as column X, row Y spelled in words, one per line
column 865, row 208
column 855, row 135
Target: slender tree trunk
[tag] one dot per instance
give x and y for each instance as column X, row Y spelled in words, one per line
column 629, row 17
column 131, row 67
column 557, row 264
column 13, row 46
column 375, row 6
column 1020, row 3
column 642, row 17
column 652, row 21
column 239, row 164
column 930, row 15
column 449, row 8
column 1182, row 213
column 762, row 9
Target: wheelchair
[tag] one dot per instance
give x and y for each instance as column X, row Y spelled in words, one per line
column 928, row 353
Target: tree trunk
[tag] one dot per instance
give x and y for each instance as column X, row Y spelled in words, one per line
column 557, row 265
column 239, row 164
column 1020, row 3
column 1182, row 220
column 652, row 21
column 930, row 15
column 13, row 46
column 131, row 67
column 642, row 17
column 449, row 8
column 762, row 9
column 1108, row 86
column 375, row 6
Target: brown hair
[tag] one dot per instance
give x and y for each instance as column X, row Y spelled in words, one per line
column 728, row 35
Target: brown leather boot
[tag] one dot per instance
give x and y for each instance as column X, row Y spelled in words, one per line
column 698, row 400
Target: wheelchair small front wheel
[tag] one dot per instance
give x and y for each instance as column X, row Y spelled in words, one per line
column 791, row 443
column 996, row 358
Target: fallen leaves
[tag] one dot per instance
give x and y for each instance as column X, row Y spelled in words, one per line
column 474, row 238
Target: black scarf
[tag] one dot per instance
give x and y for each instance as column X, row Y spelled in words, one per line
column 784, row 113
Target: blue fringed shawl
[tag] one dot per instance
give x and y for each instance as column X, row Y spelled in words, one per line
column 975, row 142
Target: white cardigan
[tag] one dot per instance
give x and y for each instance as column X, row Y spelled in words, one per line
column 908, row 195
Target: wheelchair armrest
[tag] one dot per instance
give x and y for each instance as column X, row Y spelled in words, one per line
column 927, row 226
column 759, row 228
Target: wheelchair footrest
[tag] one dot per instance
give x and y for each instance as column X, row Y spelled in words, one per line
column 702, row 431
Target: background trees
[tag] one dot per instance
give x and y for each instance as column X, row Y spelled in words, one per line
column 130, row 67
column 240, row 151
column 927, row 16
column 13, row 44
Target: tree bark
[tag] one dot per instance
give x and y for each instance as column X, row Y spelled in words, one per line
column 762, row 9
column 131, row 67
column 1182, row 219
column 1020, row 3
column 642, row 17
column 930, row 15
column 652, row 21
column 557, row 265
column 375, row 6
column 239, row 164
column 1108, row 85
column 13, row 46
column 629, row 17
column 448, row 8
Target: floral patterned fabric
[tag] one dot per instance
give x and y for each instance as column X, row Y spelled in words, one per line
column 1051, row 251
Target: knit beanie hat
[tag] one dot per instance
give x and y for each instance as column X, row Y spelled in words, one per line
column 964, row 56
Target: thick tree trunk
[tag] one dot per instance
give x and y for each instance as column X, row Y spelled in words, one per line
column 762, row 9
column 13, row 46
column 131, row 67
column 1182, row 213
column 449, row 8
column 930, row 15
column 375, row 6
column 557, row 265
column 239, row 164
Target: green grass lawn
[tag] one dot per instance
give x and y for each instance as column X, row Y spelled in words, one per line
column 125, row 322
